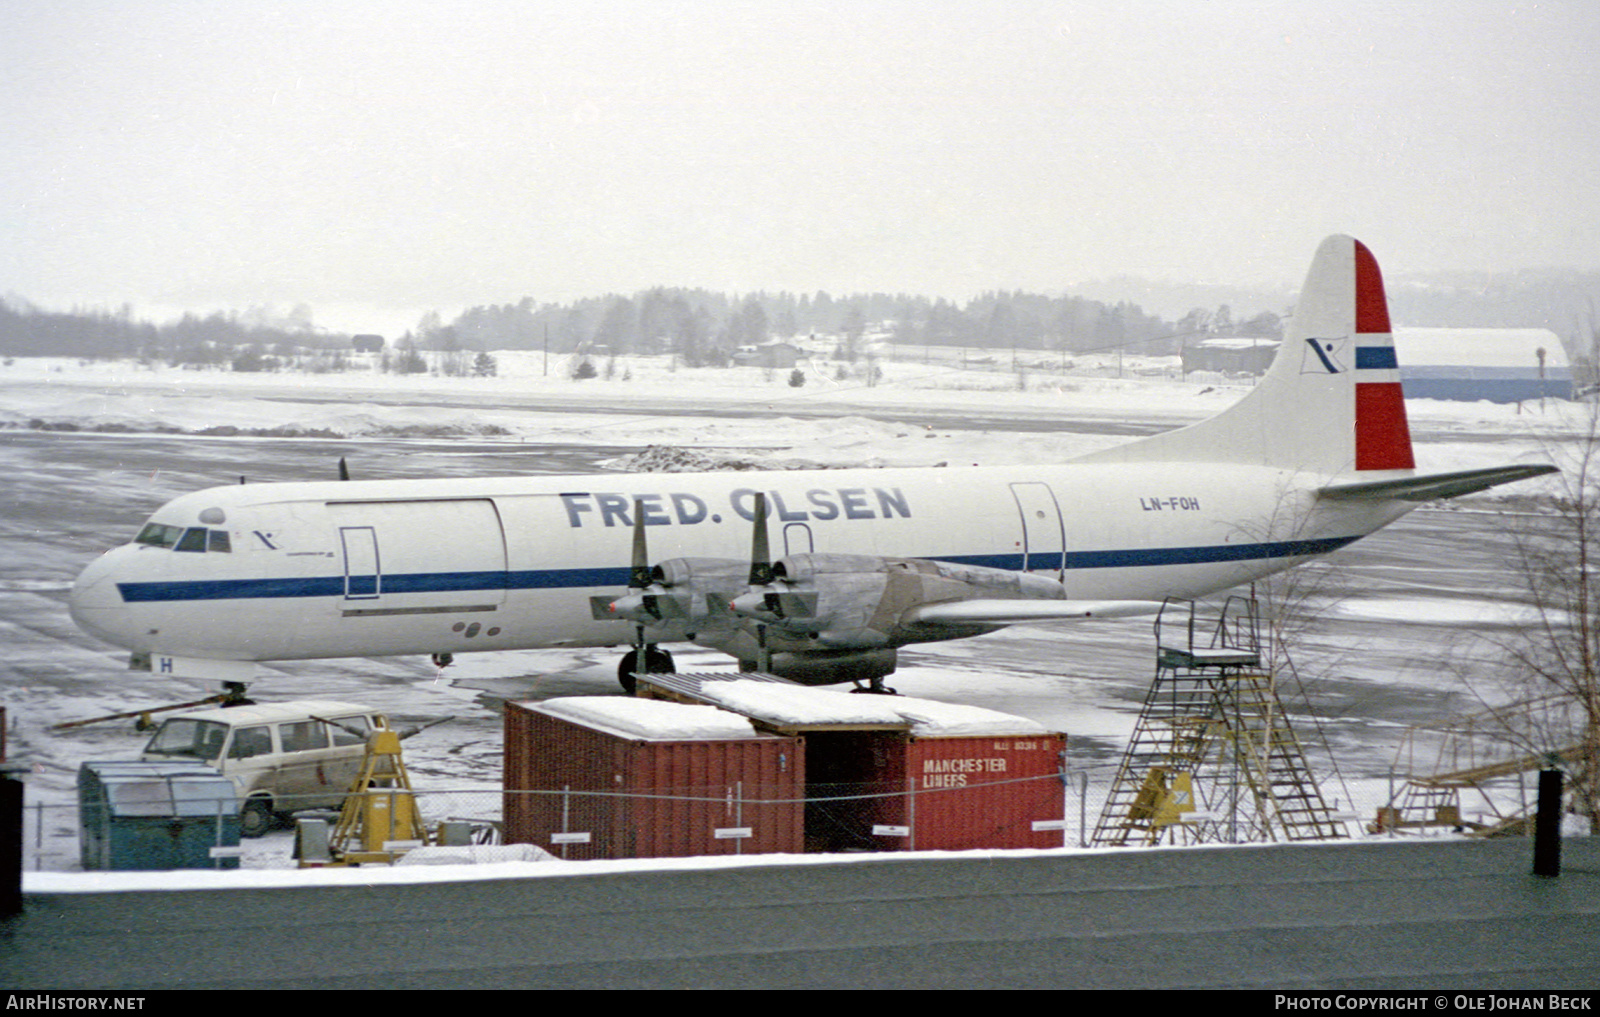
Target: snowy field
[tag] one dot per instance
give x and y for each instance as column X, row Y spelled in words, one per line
column 645, row 401
column 92, row 448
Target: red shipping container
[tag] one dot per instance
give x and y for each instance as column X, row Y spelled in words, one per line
column 893, row 773
column 983, row 792
column 648, row 779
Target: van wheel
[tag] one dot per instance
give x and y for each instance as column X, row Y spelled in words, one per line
column 256, row 818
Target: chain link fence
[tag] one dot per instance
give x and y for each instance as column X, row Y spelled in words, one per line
column 53, row 838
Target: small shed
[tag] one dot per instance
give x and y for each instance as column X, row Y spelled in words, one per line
column 775, row 354
column 613, row 777
column 1231, row 355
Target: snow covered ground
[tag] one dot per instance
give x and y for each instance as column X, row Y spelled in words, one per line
column 1086, row 683
column 645, row 401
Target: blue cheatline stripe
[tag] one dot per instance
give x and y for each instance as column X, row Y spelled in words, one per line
column 1376, row 358
column 1145, row 558
column 559, row 579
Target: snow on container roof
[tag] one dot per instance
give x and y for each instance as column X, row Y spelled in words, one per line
column 790, row 706
column 648, row 719
column 932, row 719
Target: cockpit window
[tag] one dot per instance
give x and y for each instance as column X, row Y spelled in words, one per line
column 159, row 535
column 193, row 539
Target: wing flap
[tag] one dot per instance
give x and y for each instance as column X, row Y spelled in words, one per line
column 1434, row 486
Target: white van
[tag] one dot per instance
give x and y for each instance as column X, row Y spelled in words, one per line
column 280, row 756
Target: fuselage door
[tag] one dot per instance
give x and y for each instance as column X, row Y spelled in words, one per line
column 362, row 577
column 1044, row 537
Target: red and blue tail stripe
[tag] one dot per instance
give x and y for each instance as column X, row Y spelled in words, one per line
column 1383, row 434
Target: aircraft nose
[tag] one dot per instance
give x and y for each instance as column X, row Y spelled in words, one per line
column 96, row 605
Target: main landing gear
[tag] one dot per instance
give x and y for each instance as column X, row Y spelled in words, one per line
column 873, row 687
column 655, row 661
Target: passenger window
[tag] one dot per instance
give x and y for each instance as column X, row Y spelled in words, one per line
column 192, row 540
column 302, row 736
column 219, row 542
column 343, row 737
column 251, row 741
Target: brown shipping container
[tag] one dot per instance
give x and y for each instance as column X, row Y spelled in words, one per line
column 975, row 792
column 649, row 797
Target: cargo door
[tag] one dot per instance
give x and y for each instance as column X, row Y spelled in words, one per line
column 1044, row 538
column 420, row 557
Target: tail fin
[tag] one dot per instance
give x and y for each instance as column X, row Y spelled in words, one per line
column 1331, row 403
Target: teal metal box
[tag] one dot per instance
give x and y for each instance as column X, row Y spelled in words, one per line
column 140, row 816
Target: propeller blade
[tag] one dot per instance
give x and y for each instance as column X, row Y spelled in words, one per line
column 344, row 469
column 760, row 555
column 639, row 573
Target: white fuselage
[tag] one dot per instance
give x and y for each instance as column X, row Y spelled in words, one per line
column 447, row 566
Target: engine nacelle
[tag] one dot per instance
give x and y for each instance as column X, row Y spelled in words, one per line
column 700, row 588
column 830, row 668
column 856, row 601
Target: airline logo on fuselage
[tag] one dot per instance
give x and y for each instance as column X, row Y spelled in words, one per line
column 680, row 508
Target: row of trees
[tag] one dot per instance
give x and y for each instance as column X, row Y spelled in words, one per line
column 700, row 327
column 211, row 340
column 704, row 327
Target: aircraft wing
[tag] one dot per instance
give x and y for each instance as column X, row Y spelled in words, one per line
column 1013, row 612
column 1434, row 486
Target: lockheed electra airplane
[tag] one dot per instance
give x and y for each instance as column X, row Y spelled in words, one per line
column 1316, row 456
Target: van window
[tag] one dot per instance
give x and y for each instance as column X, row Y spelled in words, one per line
column 251, row 741
column 302, row 736
column 197, row 739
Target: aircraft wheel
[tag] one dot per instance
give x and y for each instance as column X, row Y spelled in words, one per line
column 256, row 818
column 656, row 661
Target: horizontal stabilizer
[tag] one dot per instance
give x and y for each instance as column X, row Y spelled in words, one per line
column 1011, row 612
column 1434, row 486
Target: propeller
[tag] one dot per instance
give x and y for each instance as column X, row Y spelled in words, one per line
column 646, row 601
column 765, row 603
column 645, row 604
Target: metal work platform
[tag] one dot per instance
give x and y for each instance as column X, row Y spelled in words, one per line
column 1486, row 755
column 1213, row 756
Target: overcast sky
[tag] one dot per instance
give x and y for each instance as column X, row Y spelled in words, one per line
column 437, row 154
